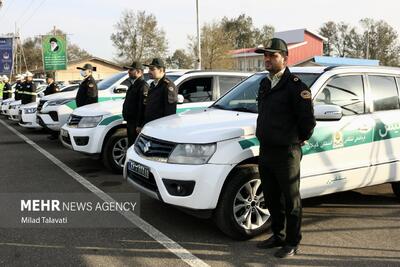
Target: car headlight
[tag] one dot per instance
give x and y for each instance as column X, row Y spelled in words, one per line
column 192, row 154
column 89, row 122
column 59, row 102
column 30, row 110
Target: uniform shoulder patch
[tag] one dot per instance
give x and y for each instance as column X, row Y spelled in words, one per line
column 305, row 94
column 171, row 89
column 296, row 79
column 91, row 85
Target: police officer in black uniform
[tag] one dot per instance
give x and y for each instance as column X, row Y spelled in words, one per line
column 285, row 121
column 87, row 92
column 18, row 86
column 7, row 92
column 132, row 103
column 161, row 98
column 28, row 90
column 52, row 87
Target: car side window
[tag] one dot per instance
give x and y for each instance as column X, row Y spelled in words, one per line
column 346, row 92
column 384, row 92
column 197, row 89
column 227, row 82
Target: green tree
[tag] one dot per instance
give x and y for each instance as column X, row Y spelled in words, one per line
column 261, row 36
column 138, row 37
column 180, row 60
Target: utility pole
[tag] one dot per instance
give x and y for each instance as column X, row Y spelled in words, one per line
column 198, row 37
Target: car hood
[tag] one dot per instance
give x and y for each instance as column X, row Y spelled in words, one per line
column 111, row 107
column 62, row 95
column 30, row 105
column 202, row 126
column 15, row 103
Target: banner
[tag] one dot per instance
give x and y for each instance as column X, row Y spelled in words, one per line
column 54, row 49
column 6, row 55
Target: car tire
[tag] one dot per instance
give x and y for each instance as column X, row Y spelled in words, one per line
column 226, row 218
column 115, row 144
column 396, row 189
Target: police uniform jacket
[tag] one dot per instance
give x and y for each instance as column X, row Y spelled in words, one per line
column 18, row 90
column 159, row 101
column 87, row 92
column 285, row 112
column 51, row 89
column 28, row 93
column 132, row 103
column 7, row 93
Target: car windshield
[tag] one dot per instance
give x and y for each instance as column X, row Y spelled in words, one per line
column 108, row 82
column 244, row 95
column 69, row 88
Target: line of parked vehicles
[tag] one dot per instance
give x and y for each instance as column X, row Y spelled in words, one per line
column 204, row 159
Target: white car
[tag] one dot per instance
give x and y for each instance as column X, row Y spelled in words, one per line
column 55, row 109
column 13, row 109
column 106, row 133
column 206, row 161
column 28, row 112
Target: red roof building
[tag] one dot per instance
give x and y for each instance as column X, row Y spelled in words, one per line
column 302, row 44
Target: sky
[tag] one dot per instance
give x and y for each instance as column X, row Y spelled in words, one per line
column 90, row 23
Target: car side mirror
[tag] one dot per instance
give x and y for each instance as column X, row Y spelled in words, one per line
column 120, row 89
column 328, row 112
column 181, row 99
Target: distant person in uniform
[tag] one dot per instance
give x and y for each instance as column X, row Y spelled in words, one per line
column 7, row 92
column 161, row 98
column 28, row 90
column 285, row 121
column 87, row 92
column 132, row 103
column 18, row 86
column 54, row 44
column 52, row 87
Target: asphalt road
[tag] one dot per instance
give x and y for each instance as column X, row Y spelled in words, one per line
column 356, row 228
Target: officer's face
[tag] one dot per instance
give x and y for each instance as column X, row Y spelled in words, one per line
column 50, row 80
column 156, row 73
column 274, row 62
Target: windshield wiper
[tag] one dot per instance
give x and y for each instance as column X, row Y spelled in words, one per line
column 218, row 106
column 243, row 109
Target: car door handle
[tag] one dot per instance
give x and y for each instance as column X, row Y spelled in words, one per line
column 364, row 128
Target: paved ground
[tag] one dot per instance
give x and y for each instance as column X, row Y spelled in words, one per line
column 357, row 228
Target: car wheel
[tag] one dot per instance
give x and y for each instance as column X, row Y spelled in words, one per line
column 114, row 152
column 396, row 189
column 241, row 212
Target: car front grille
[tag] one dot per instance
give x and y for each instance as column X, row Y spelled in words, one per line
column 154, row 149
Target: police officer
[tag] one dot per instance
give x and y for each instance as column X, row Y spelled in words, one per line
column 52, row 87
column 28, row 90
column 18, row 86
column 285, row 121
column 131, row 107
column 87, row 92
column 7, row 92
column 161, row 98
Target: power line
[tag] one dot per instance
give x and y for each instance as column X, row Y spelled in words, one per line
column 34, row 12
column 26, row 10
column 6, row 9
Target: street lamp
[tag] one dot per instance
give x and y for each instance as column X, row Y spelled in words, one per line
column 198, row 37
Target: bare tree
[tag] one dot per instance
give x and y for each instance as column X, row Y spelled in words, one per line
column 138, row 37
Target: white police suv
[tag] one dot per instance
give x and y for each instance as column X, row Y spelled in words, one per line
column 206, row 161
column 99, row 128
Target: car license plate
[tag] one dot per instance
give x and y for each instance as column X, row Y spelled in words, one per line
column 64, row 133
column 139, row 169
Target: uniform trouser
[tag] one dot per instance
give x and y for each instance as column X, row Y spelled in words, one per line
column 131, row 131
column 279, row 168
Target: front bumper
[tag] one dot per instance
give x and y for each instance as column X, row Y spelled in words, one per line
column 28, row 120
column 85, row 140
column 14, row 114
column 208, row 179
